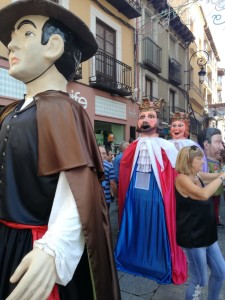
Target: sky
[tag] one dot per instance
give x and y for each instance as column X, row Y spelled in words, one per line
column 215, row 16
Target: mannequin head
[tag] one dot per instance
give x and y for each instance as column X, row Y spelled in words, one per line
column 38, row 42
column 179, row 128
column 47, row 33
column 149, row 123
column 210, row 140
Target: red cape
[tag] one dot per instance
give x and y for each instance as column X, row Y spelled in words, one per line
column 167, row 177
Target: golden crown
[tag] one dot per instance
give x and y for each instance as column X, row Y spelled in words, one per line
column 155, row 105
column 178, row 115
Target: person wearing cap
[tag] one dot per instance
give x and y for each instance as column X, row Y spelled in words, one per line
column 146, row 244
column 55, row 240
column 179, row 131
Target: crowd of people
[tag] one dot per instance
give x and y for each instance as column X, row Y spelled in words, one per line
column 169, row 195
column 57, row 184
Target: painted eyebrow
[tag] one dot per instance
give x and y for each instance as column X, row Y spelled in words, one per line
column 25, row 22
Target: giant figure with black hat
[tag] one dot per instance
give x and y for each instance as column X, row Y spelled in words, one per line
column 55, row 238
column 146, row 244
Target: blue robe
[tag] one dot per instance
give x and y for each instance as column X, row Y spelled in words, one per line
column 139, row 250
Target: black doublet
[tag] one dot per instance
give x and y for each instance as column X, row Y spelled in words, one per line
column 57, row 136
column 25, row 197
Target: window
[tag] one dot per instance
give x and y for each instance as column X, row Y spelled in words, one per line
column 172, row 101
column 106, row 38
column 148, row 88
column 105, row 59
column 172, row 48
column 147, row 27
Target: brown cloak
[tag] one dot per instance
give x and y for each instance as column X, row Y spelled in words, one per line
column 66, row 142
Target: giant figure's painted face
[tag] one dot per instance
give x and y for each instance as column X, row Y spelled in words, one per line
column 213, row 149
column 179, row 130
column 147, row 122
column 26, row 53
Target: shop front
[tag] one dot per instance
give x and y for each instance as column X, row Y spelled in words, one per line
column 113, row 118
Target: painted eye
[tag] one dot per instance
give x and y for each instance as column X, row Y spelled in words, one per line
column 29, row 33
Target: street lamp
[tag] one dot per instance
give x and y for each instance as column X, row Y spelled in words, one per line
column 201, row 75
column 201, row 62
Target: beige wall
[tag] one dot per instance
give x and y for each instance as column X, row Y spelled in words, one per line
column 127, row 36
column 84, row 12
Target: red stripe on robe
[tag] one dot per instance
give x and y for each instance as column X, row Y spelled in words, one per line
column 37, row 233
column 178, row 258
column 167, row 178
column 124, row 176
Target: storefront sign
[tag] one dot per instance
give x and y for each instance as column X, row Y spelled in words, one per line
column 132, row 113
column 81, row 100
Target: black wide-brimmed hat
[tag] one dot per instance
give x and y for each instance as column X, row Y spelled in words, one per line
column 10, row 14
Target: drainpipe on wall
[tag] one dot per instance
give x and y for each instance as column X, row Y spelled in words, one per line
column 136, row 93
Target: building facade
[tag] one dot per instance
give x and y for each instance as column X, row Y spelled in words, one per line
column 161, row 59
column 104, row 84
column 146, row 48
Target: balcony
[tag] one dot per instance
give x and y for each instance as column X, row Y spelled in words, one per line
column 152, row 56
column 220, row 99
column 175, row 71
column 208, row 81
column 219, row 85
column 130, row 8
column 183, row 32
column 78, row 74
column 111, row 75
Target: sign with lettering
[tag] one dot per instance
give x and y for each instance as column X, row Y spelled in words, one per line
column 132, row 113
column 82, row 100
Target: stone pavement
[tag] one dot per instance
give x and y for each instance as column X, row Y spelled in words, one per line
column 140, row 288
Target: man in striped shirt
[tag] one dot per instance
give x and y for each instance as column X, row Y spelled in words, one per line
column 109, row 184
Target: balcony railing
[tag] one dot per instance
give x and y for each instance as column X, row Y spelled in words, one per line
column 175, row 71
column 152, row 55
column 130, row 8
column 111, row 75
